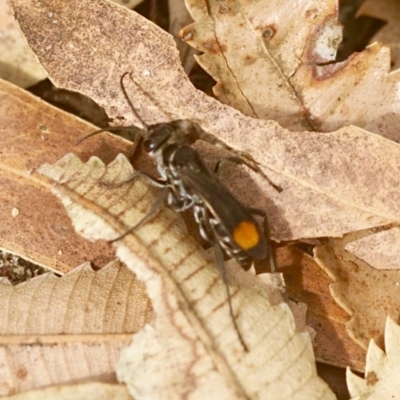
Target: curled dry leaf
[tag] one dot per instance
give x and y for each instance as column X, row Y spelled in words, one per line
column 191, row 347
column 327, row 179
column 84, row 391
column 368, row 295
column 74, row 326
column 382, row 369
column 268, row 64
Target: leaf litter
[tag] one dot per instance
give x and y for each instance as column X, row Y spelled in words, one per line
column 382, row 370
column 85, row 316
column 326, row 180
column 16, row 162
column 367, row 294
column 192, row 319
column 152, row 81
column 34, row 133
column 273, row 66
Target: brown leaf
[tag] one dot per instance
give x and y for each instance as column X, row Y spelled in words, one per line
column 368, row 295
column 305, row 282
column 192, row 319
column 74, row 326
column 328, row 180
column 33, row 223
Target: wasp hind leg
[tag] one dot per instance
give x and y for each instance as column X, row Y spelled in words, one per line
column 253, row 166
column 219, row 258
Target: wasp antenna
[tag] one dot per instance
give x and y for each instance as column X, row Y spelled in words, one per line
column 109, row 129
column 130, row 102
column 88, row 136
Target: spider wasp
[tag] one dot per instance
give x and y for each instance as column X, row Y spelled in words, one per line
column 188, row 183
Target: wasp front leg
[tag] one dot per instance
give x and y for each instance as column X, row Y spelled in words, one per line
column 154, row 209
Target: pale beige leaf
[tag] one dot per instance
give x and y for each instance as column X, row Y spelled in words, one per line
column 191, row 347
column 268, row 64
column 70, row 329
column 252, row 49
column 382, row 370
column 85, row 391
column 360, row 91
column 388, row 11
column 367, row 294
column 329, row 180
column 378, row 247
column 17, row 62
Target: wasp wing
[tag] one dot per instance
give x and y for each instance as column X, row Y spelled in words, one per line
column 200, row 181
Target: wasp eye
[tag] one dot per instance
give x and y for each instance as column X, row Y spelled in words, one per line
column 159, row 135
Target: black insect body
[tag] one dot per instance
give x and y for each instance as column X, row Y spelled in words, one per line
column 190, row 183
column 187, row 183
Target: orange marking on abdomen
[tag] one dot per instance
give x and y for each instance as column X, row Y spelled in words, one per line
column 245, row 235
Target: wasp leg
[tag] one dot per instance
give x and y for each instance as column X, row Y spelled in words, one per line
column 232, row 159
column 152, row 181
column 267, row 233
column 219, row 258
column 242, row 160
column 207, row 234
column 155, row 208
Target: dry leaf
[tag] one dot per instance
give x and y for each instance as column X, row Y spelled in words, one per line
column 368, row 295
column 32, row 132
column 305, row 282
column 360, row 91
column 378, row 247
column 268, row 64
column 86, row 391
column 69, row 329
column 382, row 370
column 179, row 17
column 17, row 62
column 192, row 320
column 252, row 49
column 328, row 183
column 389, row 11
column 128, row 3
